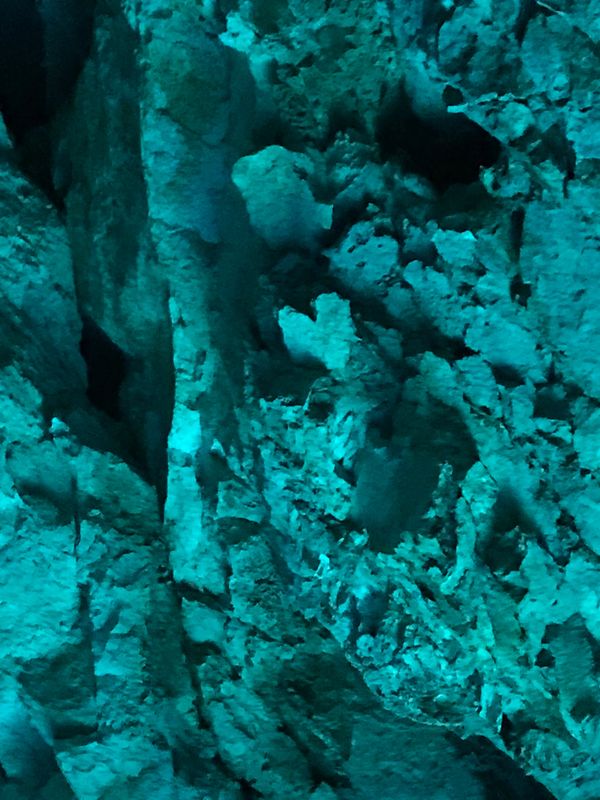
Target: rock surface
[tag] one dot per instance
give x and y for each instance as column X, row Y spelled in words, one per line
column 300, row 427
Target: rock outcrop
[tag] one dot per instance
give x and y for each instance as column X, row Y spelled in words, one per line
column 299, row 356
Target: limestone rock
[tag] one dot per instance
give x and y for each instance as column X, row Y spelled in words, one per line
column 280, row 203
column 299, row 426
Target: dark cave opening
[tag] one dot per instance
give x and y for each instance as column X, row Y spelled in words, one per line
column 527, row 11
column 136, row 393
column 43, row 46
column 517, row 222
column 502, row 778
column 520, row 291
column 501, row 548
column 107, row 367
column 447, row 149
column 247, row 790
column 552, row 402
column 22, row 71
column 397, row 476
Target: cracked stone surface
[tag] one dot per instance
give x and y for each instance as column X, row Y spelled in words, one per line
column 300, row 408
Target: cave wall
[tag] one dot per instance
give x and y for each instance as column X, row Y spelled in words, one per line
column 300, row 427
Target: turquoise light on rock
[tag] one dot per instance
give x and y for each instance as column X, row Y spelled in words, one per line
column 299, row 408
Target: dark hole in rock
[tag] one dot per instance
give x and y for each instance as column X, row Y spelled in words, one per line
column 68, row 34
column 267, row 15
column 520, row 292
column 551, row 402
column 277, row 377
column 43, row 46
column 319, row 409
column 344, row 473
column 446, row 149
column 106, row 368
column 508, row 513
column 507, row 376
column 324, row 774
column 586, row 706
column 514, row 591
column 452, row 96
column 554, row 145
column 343, row 118
column 198, row 652
column 424, row 337
column 501, row 549
column 426, row 592
column 393, row 493
column 544, row 658
column 401, row 627
column 517, row 220
column 595, row 646
column 381, row 423
column 551, row 633
column 81, row 733
column 22, row 72
column 527, row 10
column 502, row 778
column 433, row 15
column 395, row 482
column 247, row 791
column 67, row 681
column 506, row 730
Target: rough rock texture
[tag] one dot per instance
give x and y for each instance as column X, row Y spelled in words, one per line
column 300, row 410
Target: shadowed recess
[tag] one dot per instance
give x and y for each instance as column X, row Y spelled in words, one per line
column 446, row 149
column 106, row 368
column 43, row 45
column 22, row 72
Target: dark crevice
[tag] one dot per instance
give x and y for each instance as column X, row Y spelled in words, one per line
column 68, row 36
column 43, row 47
column 507, row 376
column 544, row 659
column 520, row 292
column 395, row 481
column 517, row 219
column 502, row 548
column 527, row 10
column 446, row 149
column 433, row 16
column 425, row 339
column 551, row 402
column 419, row 334
column 506, row 730
column 247, row 791
column 501, row 777
column 140, row 433
column 554, row 145
column 106, row 368
column 22, row 71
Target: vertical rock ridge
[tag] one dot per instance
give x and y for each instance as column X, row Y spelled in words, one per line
column 299, row 411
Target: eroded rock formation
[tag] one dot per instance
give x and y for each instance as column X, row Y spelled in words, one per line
column 299, row 351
